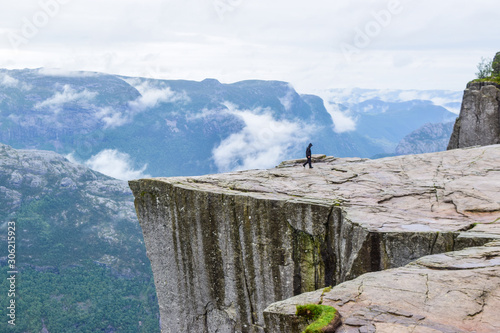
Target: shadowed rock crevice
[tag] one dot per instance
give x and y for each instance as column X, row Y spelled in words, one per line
column 452, row 292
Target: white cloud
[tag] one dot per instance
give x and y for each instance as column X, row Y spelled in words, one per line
column 71, row 157
column 264, row 142
column 203, row 114
column 68, row 95
column 429, row 45
column 172, row 125
column 343, row 122
column 116, row 164
column 8, row 81
column 152, row 96
column 287, row 100
column 65, row 72
column 448, row 99
column 112, row 118
column 441, row 98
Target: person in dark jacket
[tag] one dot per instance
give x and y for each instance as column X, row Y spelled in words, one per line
column 308, row 155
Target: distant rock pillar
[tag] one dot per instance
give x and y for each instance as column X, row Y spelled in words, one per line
column 479, row 121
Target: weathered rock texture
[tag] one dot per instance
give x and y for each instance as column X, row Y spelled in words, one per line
column 223, row 247
column 479, row 121
column 452, row 292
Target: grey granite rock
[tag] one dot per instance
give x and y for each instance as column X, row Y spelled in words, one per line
column 479, row 121
column 452, row 292
column 223, row 247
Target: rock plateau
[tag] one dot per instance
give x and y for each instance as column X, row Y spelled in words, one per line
column 224, row 247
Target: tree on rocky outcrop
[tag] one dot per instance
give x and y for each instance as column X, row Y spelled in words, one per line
column 495, row 65
column 489, row 68
column 484, row 68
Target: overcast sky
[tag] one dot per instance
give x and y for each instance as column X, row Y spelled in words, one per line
column 315, row 45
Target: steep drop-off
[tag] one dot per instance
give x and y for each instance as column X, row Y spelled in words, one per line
column 223, row 247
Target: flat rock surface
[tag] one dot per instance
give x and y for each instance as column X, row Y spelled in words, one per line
column 451, row 292
column 450, row 191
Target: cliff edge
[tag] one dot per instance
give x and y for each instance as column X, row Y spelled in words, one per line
column 224, row 247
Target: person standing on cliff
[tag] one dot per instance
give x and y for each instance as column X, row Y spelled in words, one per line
column 308, row 155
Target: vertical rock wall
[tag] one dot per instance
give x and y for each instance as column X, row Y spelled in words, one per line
column 219, row 259
column 479, row 121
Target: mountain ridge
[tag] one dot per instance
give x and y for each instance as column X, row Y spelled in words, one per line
column 85, row 114
column 79, row 248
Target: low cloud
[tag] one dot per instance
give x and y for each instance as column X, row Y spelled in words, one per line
column 68, row 95
column 448, row 99
column 116, row 164
column 263, row 143
column 112, row 118
column 65, row 73
column 287, row 100
column 71, row 157
column 151, row 96
column 343, row 122
column 8, row 81
column 204, row 113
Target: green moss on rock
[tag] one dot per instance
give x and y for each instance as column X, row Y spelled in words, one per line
column 325, row 317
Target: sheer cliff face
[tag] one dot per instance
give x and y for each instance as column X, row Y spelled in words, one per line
column 479, row 121
column 453, row 292
column 221, row 256
column 224, row 247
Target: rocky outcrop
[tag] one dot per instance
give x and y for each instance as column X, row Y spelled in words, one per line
column 452, row 292
column 479, row 121
column 223, row 247
column 429, row 138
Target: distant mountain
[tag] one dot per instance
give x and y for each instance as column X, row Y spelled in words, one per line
column 134, row 127
column 388, row 123
column 79, row 247
column 427, row 139
column 166, row 128
column 449, row 99
column 385, row 117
